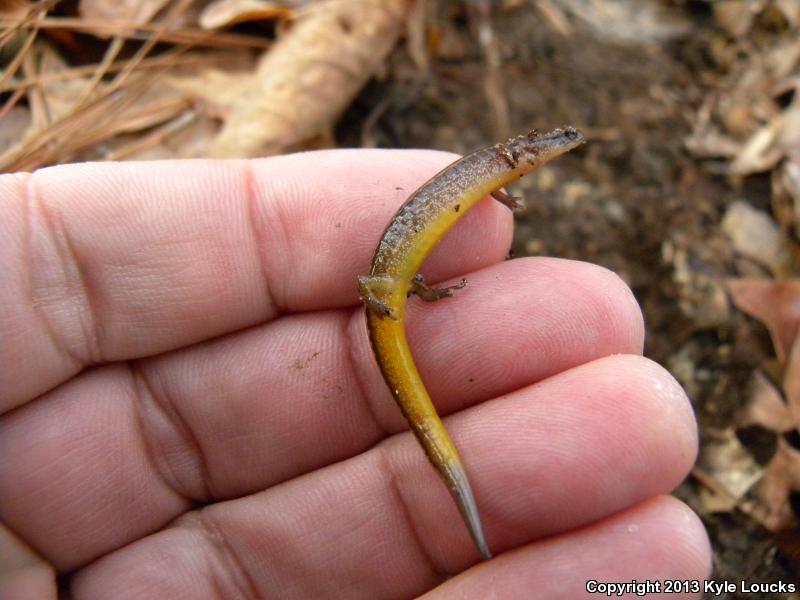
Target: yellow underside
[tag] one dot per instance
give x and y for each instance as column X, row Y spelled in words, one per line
column 390, row 343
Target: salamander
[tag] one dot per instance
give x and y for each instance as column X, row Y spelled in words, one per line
column 420, row 223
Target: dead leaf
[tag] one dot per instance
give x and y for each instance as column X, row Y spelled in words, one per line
column 62, row 132
column 743, row 114
column 137, row 11
column 786, row 194
column 769, row 504
column 711, row 144
column 701, row 290
column 781, row 62
column 755, row 235
column 765, row 407
column 791, row 384
column 14, row 124
column 310, row 76
column 631, row 21
column 776, row 139
column 226, row 13
column 788, row 541
column 790, row 10
column 736, row 16
column 776, row 304
column 769, row 501
column 217, row 90
column 731, row 469
column 761, row 151
column 555, row 18
column 15, row 8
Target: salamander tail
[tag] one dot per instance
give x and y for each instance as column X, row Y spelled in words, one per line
column 460, row 489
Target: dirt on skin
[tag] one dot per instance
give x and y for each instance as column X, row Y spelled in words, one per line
column 634, row 200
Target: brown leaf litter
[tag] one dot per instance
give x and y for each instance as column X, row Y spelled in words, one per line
column 189, row 100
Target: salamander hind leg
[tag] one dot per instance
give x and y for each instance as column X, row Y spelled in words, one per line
column 431, row 294
column 372, row 288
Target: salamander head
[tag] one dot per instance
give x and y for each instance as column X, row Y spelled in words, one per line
column 534, row 149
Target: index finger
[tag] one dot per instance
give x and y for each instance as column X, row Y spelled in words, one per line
column 109, row 261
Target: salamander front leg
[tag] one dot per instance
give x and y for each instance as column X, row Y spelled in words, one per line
column 512, row 202
column 430, row 294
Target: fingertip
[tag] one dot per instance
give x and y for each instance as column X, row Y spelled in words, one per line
column 660, row 540
column 686, row 537
column 615, row 312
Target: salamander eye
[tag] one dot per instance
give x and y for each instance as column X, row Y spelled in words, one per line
column 571, row 133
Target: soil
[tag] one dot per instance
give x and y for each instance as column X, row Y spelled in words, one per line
column 633, row 199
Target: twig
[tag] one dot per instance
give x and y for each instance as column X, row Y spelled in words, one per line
column 481, row 19
column 155, row 138
column 196, row 37
column 157, row 62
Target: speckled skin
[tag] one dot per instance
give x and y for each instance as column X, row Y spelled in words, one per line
column 431, row 211
column 422, row 221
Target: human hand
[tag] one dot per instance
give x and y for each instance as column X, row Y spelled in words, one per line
column 191, row 408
